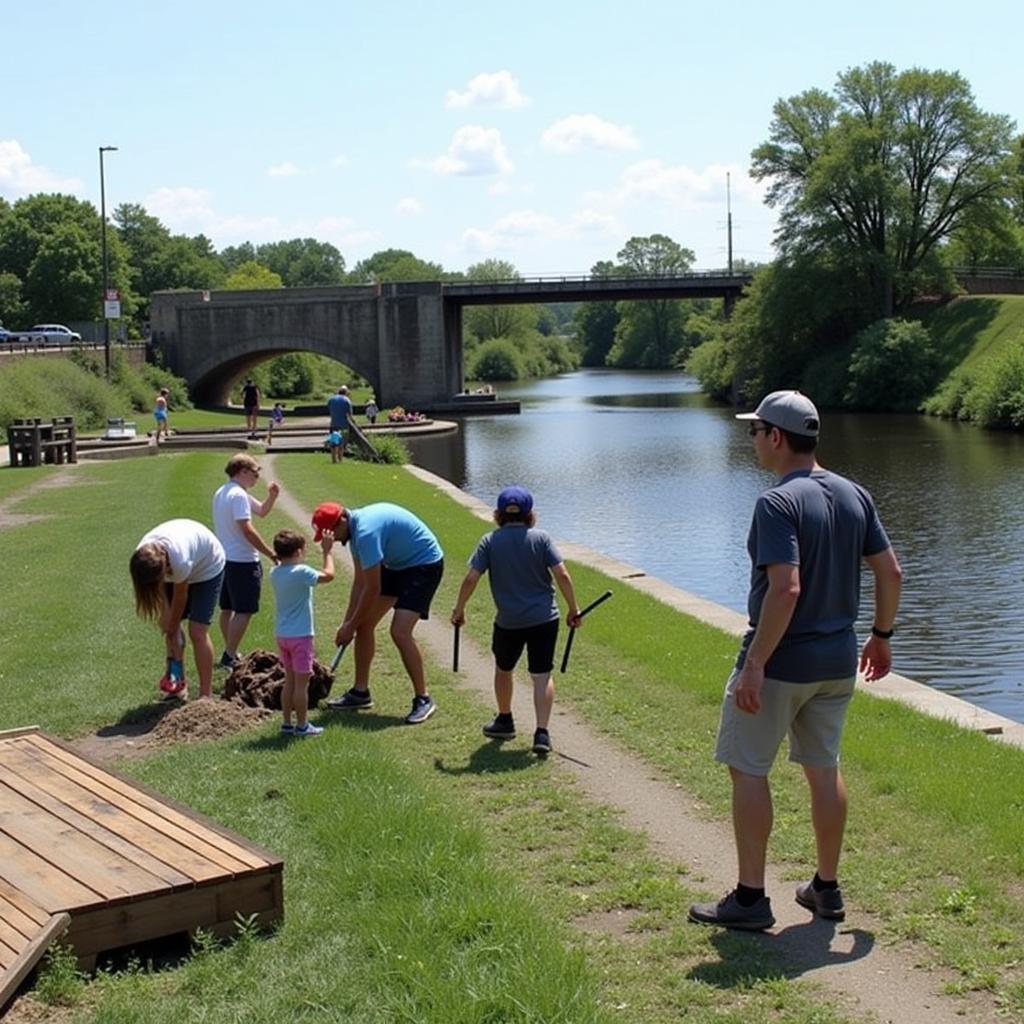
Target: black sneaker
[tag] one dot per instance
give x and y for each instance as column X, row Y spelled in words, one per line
column 729, row 913
column 541, row 743
column 351, row 700
column 502, row 728
column 228, row 661
column 824, row 902
column 422, row 709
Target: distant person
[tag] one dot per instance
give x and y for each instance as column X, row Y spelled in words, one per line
column 371, row 410
column 233, row 510
column 797, row 664
column 176, row 571
column 336, row 445
column 521, row 561
column 160, row 414
column 251, row 404
column 398, row 565
column 339, row 407
column 276, row 419
column 293, row 582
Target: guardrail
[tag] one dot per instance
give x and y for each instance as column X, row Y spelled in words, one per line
column 88, row 346
column 989, row 271
column 612, row 279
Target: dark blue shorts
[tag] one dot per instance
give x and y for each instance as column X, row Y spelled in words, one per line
column 507, row 647
column 414, row 587
column 201, row 602
column 243, row 582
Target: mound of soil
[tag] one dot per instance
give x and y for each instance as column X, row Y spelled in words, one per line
column 200, row 720
column 258, row 678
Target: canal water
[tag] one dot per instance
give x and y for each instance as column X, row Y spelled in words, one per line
column 643, row 467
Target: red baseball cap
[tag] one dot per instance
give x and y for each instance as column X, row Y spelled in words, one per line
column 326, row 517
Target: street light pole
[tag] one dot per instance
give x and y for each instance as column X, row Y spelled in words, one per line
column 106, row 268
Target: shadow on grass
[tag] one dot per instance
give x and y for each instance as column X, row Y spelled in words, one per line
column 368, row 721
column 789, row 953
column 489, row 758
column 139, row 720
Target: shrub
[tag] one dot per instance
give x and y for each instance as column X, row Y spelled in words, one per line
column 497, row 359
column 391, row 448
column 893, row 366
column 712, row 364
column 996, row 396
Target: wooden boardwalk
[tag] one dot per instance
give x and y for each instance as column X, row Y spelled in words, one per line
column 122, row 862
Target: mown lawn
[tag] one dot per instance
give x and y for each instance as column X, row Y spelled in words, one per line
column 431, row 876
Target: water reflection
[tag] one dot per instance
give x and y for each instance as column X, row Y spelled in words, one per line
column 643, row 467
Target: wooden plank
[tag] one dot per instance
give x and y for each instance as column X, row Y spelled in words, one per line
column 104, row 928
column 17, row 971
column 145, row 809
column 51, row 889
column 78, row 855
column 193, row 824
column 25, row 730
column 15, row 901
column 173, row 862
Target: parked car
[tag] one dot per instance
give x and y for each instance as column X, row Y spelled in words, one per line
column 54, row 334
column 5, row 335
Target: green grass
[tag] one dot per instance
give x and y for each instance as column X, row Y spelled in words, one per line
column 433, row 876
column 973, row 329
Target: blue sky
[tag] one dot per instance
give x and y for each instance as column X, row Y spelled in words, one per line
column 546, row 134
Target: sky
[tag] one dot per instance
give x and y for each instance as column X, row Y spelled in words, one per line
column 542, row 133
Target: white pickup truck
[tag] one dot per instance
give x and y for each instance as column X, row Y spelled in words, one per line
column 46, row 334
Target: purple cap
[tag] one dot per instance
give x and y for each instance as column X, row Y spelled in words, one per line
column 516, row 500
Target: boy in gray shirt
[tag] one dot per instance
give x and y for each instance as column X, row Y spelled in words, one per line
column 521, row 561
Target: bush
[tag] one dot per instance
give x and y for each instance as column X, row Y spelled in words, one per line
column 893, row 366
column 391, row 448
column 497, row 359
column 712, row 364
column 995, row 398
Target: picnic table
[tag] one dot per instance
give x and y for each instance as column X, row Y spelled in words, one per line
column 35, row 441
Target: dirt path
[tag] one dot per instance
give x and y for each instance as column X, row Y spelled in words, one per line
column 884, row 983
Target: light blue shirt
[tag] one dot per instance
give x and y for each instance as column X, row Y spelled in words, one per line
column 293, row 585
column 388, row 534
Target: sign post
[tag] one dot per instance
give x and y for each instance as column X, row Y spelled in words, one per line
column 111, row 304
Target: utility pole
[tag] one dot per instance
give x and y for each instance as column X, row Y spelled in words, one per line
column 728, row 206
column 106, row 267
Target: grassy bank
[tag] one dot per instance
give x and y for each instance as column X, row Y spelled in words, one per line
column 432, row 876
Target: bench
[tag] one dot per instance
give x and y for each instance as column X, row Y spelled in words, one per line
column 119, row 427
column 33, row 442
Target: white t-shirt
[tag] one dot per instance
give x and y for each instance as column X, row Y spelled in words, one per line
column 194, row 552
column 231, row 505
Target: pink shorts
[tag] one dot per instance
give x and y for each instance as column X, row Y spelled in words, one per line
column 296, row 653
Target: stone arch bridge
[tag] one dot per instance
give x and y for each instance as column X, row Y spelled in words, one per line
column 405, row 339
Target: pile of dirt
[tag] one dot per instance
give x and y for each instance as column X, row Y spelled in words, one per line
column 258, row 678
column 200, row 720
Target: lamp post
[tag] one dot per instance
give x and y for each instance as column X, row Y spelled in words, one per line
column 106, row 269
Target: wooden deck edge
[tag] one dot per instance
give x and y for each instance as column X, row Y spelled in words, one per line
column 24, row 730
column 31, row 955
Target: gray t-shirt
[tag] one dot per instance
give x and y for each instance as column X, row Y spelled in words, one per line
column 519, row 560
column 825, row 524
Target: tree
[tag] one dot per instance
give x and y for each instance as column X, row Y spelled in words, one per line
column 596, row 321
column 12, row 305
column 882, row 171
column 303, row 262
column 893, row 366
column 250, row 276
column 498, row 321
column 650, row 332
column 396, row 265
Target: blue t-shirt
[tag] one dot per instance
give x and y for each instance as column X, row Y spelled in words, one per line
column 388, row 534
column 825, row 524
column 340, row 408
column 293, row 585
column 519, row 560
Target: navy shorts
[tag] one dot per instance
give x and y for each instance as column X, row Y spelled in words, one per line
column 202, row 599
column 507, row 647
column 414, row 587
column 243, row 582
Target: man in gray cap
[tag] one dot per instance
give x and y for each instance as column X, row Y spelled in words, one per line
column 798, row 661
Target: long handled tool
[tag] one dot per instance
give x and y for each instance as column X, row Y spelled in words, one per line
column 336, row 660
column 455, row 650
column 572, row 632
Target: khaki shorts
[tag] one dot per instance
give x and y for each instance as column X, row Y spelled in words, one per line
column 811, row 713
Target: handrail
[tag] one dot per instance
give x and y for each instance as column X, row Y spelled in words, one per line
column 615, row 279
column 91, row 346
column 989, row 271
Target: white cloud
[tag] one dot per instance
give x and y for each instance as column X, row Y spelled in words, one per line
column 527, row 224
column 283, row 170
column 408, row 207
column 180, row 205
column 474, row 150
column 340, row 160
column 587, row 131
column 519, row 228
column 498, row 89
column 682, row 187
column 20, row 176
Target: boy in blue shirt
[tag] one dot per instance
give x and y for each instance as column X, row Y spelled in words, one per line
column 522, row 561
column 293, row 582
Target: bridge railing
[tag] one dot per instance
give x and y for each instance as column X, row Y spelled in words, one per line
column 26, row 347
column 989, row 271
column 610, row 279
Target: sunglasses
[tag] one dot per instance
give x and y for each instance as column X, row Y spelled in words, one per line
column 754, row 429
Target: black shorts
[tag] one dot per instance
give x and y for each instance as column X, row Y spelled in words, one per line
column 241, row 590
column 507, row 647
column 413, row 587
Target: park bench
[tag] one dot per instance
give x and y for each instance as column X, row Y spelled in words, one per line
column 33, row 441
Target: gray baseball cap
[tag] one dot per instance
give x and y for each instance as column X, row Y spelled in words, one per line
column 787, row 410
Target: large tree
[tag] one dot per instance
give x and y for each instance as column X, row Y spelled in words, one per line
column 499, row 321
column 303, row 262
column 396, row 265
column 882, row 170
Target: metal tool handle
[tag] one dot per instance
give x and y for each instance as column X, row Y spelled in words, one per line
column 336, row 660
column 455, row 650
column 572, row 630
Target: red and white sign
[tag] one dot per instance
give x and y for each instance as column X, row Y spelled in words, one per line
column 111, row 295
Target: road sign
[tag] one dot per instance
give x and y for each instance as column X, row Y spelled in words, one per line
column 112, row 309
column 111, row 295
